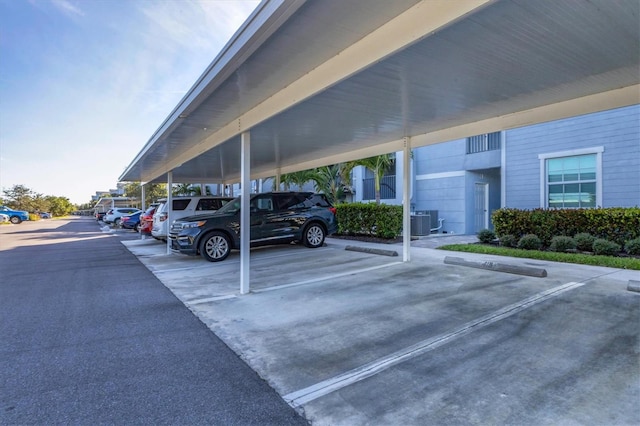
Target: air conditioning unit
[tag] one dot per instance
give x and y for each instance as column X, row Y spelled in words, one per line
column 423, row 221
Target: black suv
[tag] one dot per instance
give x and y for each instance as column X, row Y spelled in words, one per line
column 276, row 217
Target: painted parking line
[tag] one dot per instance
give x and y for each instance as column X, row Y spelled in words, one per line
column 254, row 258
column 303, row 396
column 325, row 278
column 296, row 284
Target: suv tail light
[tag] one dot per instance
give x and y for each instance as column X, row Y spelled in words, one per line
column 162, row 217
column 332, row 210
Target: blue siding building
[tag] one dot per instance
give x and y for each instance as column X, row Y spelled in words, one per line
column 587, row 161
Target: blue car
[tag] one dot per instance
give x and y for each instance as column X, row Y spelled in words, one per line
column 15, row 216
column 131, row 221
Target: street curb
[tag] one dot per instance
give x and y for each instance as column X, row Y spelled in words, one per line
column 498, row 267
column 372, row 250
column 634, row 286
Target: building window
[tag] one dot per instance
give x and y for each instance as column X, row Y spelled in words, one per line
column 482, row 143
column 572, row 181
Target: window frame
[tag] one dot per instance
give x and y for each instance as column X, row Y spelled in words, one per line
column 544, row 173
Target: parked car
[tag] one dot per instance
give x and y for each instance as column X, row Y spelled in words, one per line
column 4, row 218
column 115, row 215
column 146, row 220
column 183, row 207
column 100, row 215
column 131, row 221
column 15, row 216
column 45, row 215
column 276, row 217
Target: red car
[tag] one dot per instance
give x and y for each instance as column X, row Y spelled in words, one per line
column 146, row 220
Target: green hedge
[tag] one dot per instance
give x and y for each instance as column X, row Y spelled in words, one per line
column 378, row 220
column 615, row 224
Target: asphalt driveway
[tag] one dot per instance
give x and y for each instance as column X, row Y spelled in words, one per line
column 89, row 336
column 351, row 338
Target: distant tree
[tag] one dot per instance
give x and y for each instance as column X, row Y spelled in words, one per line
column 152, row 191
column 86, row 206
column 185, row 189
column 190, row 189
column 59, row 206
column 22, row 198
column 40, row 203
column 19, row 197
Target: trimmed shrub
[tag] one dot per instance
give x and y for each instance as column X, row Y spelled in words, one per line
column 486, row 236
column 617, row 224
column 508, row 241
column 378, row 220
column 632, row 247
column 605, row 247
column 561, row 243
column 529, row 242
column 584, row 241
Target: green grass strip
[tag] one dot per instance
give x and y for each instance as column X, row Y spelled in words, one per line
column 579, row 258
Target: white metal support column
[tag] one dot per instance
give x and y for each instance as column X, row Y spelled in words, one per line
column 245, row 224
column 406, row 201
column 143, row 206
column 169, row 207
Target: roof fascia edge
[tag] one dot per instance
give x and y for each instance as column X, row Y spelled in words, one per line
column 268, row 16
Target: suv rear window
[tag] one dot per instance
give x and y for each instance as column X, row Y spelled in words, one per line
column 181, row 204
column 210, row 204
column 313, row 200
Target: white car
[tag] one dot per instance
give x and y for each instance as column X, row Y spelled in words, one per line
column 183, row 207
column 114, row 215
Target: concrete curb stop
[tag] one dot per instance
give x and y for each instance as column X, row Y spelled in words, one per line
column 499, row 267
column 372, row 250
column 634, row 286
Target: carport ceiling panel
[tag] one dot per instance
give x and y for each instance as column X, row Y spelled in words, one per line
column 495, row 62
column 467, row 73
column 461, row 74
column 509, row 56
column 316, row 33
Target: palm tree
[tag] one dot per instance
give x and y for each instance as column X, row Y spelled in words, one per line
column 187, row 189
column 328, row 179
column 297, row 178
column 378, row 165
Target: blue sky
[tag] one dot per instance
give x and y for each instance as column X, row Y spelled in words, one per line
column 85, row 83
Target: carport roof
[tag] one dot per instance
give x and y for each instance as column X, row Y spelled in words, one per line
column 319, row 82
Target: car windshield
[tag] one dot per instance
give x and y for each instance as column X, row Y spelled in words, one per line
column 232, row 207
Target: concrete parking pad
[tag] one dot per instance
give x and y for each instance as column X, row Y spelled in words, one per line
column 354, row 338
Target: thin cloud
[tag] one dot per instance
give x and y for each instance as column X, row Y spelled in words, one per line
column 68, row 8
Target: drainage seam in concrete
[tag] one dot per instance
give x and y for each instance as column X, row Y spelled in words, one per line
column 303, row 396
column 330, row 277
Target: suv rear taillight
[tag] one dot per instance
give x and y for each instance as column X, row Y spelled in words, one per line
column 163, row 217
column 332, row 210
